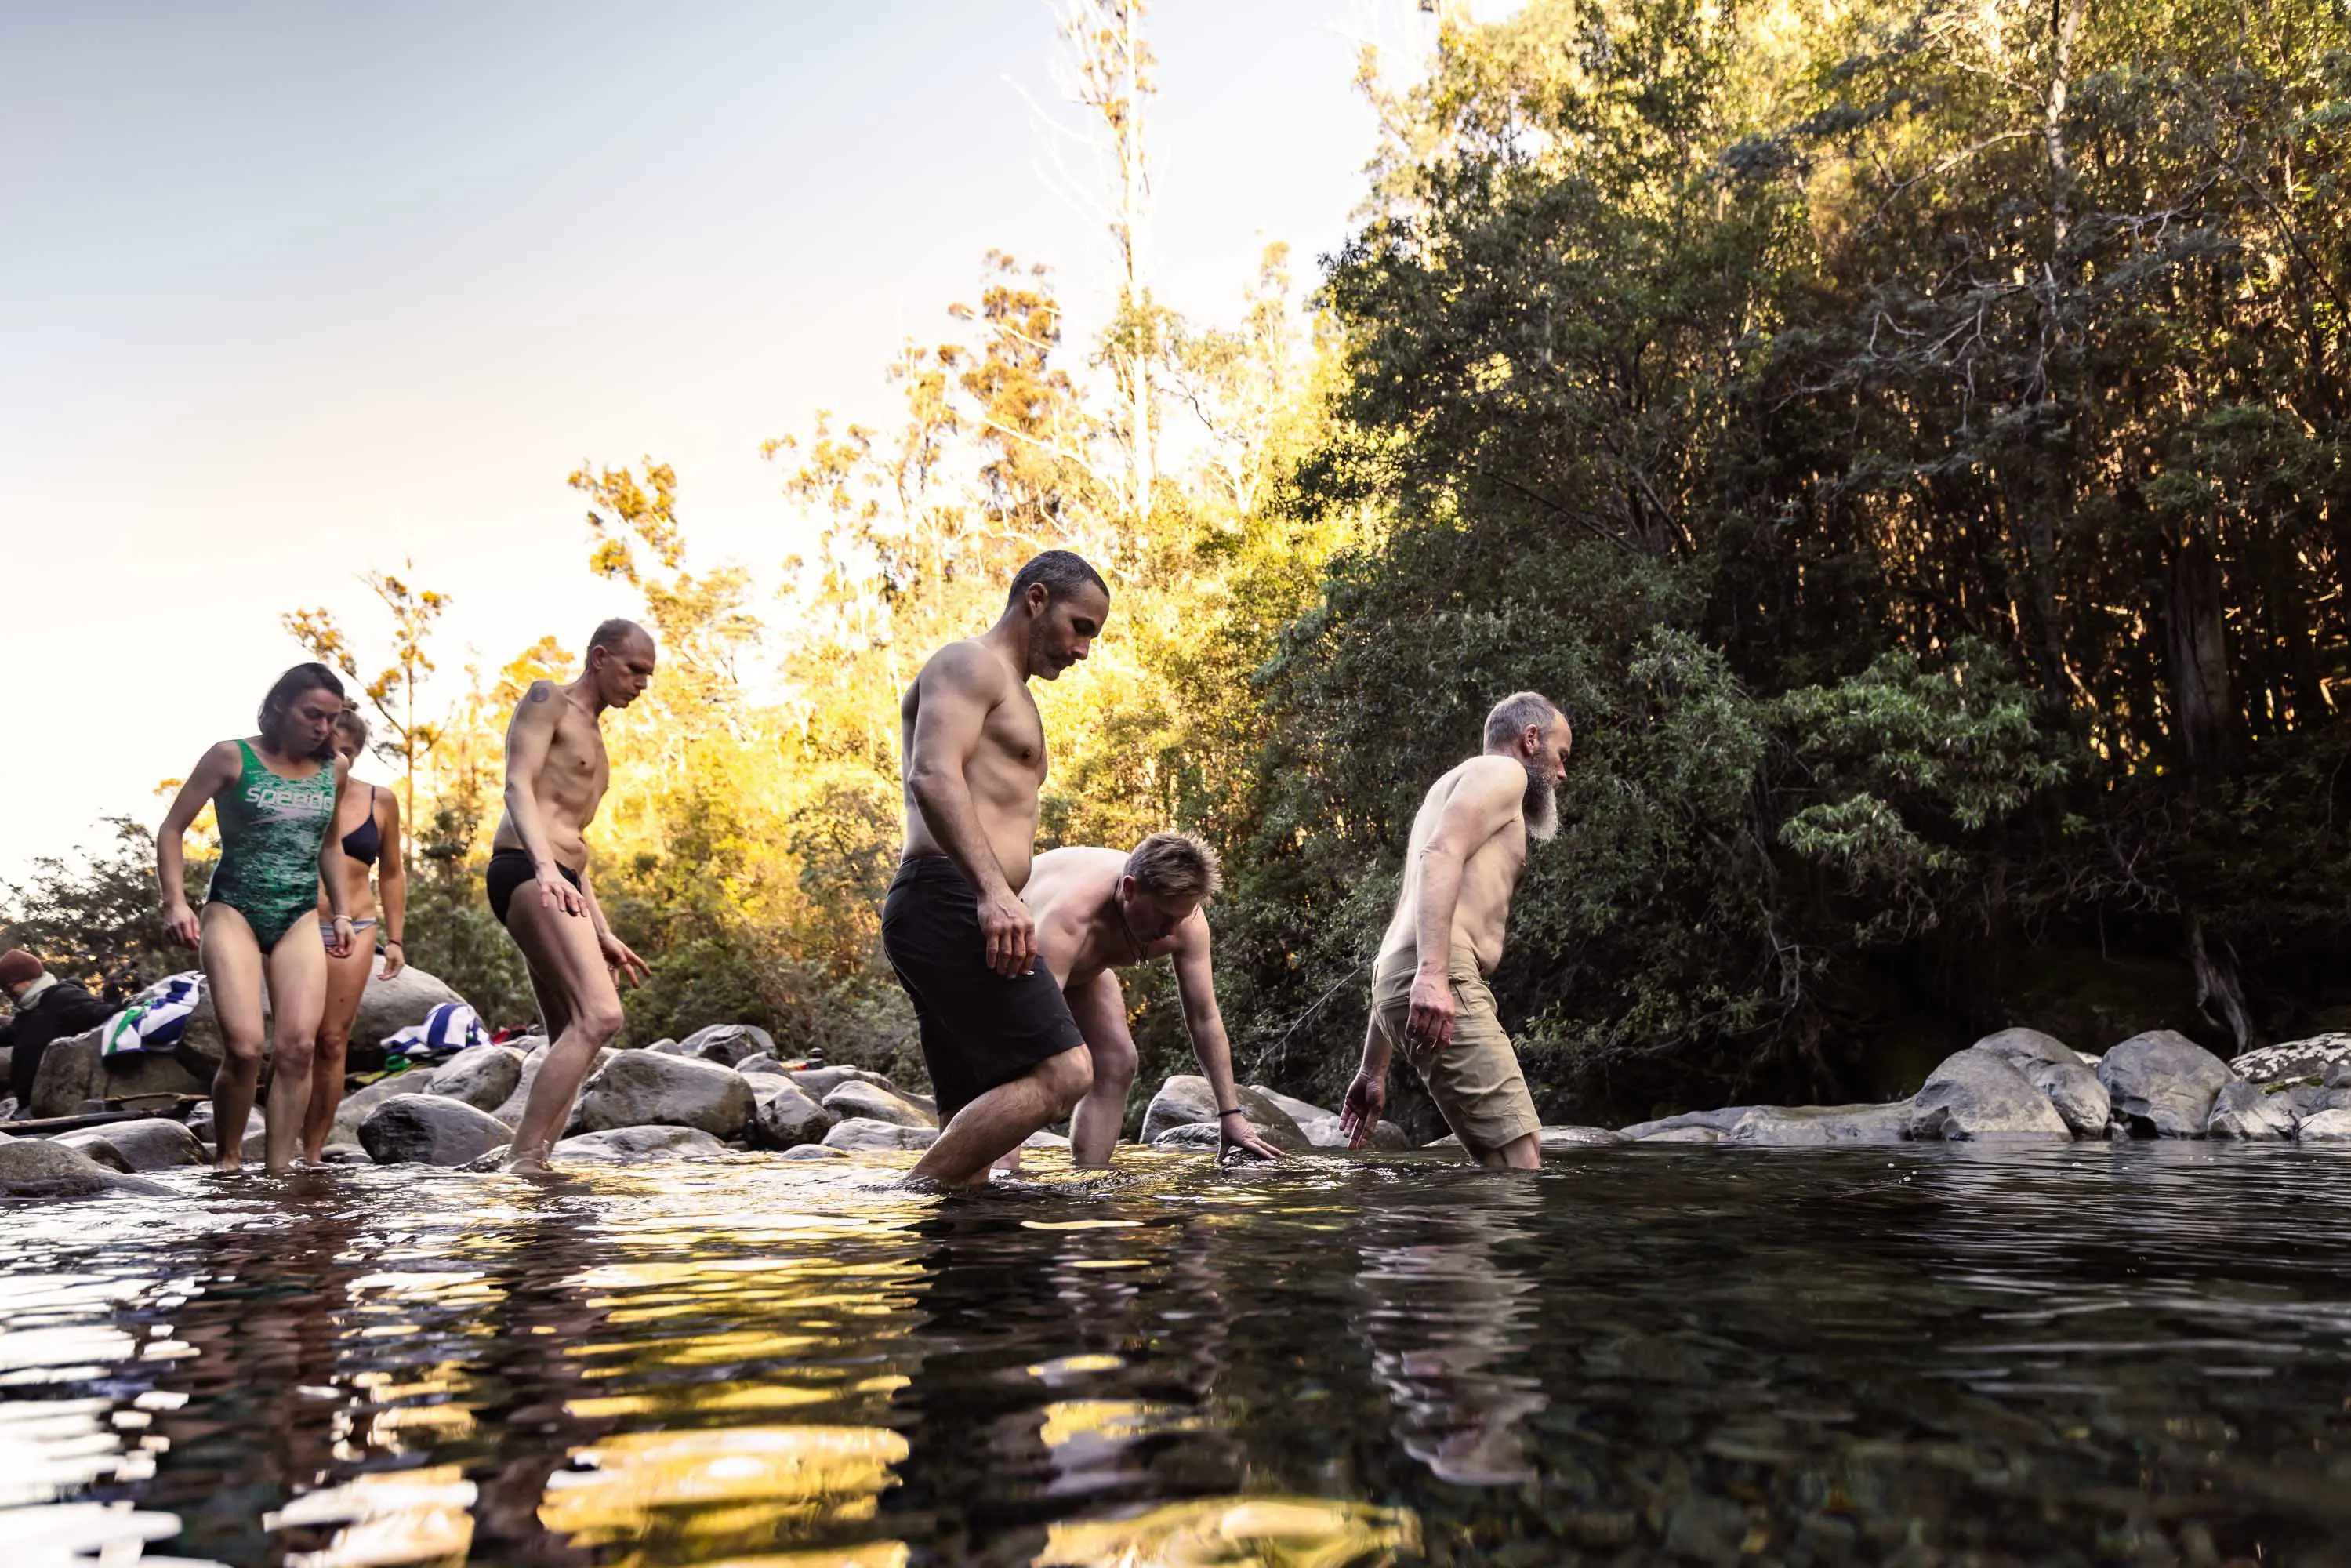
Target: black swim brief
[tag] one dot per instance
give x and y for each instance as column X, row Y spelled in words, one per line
column 511, row 869
column 979, row 1029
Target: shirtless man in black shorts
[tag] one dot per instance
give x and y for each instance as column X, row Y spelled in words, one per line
column 1005, row 1056
column 539, row 888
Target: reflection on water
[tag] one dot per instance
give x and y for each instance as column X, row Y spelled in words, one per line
column 2075, row 1355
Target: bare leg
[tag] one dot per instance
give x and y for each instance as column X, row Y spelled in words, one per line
column 298, row 993
column 232, row 966
column 347, row 980
column 1100, row 1007
column 582, row 1014
column 999, row 1121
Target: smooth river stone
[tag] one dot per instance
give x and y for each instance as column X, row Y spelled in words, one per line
column 1550, row 1138
column 358, row 1103
column 92, row 1145
column 728, row 1044
column 1323, row 1133
column 2073, row 1088
column 42, row 1168
column 786, row 1118
column 853, row 1099
column 482, row 1076
column 1299, row 1111
column 641, row 1089
column 639, row 1146
column 2327, row 1126
column 1186, row 1098
column 153, row 1144
column 1716, row 1122
column 864, row 1135
column 1975, row 1096
column 2244, row 1109
column 2020, row 1048
column 1799, row 1126
column 2163, row 1084
column 429, row 1130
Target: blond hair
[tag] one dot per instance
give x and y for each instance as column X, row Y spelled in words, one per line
column 1175, row 865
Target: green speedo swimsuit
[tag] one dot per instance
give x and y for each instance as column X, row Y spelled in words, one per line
column 270, row 829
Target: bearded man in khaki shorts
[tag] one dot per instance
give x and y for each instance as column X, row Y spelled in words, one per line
column 1428, row 989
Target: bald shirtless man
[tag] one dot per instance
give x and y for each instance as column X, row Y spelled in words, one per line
column 1098, row 911
column 1005, row 1058
column 539, row 888
column 1428, row 989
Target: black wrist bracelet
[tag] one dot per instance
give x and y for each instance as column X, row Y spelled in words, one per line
column 1234, row 1111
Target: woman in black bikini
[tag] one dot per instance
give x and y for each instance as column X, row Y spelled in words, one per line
column 368, row 824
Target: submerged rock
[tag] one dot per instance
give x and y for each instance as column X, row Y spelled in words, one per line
column 2163, row 1084
column 866, row 1135
column 152, row 1144
column 815, row 1152
column 2244, row 1109
column 344, row 1154
column 42, row 1168
column 816, row 1082
column 1717, row 1122
column 2327, row 1126
column 1689, row 1133
column 1189, row 1136
column 1978, row 1094
column 639, row 1146
column 640, row 1089
column 786, row 1118
column 2073, row 1088
column 482, row 1076
column 1550, row 1138
column 1805, row 1126
column 429, row 1130
column 855, row 1099
column 729, row 1043
column 2294, row 1059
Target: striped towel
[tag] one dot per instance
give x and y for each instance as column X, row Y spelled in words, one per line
column 155, row 1018
column 447, row 1029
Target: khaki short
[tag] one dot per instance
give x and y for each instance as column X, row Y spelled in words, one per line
column 1474, row 1080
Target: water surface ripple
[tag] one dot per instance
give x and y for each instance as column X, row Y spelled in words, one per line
column 2087, row 1354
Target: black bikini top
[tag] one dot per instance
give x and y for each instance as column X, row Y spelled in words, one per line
column 365, row 843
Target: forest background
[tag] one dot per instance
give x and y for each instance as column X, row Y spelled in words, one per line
column 1910, row 441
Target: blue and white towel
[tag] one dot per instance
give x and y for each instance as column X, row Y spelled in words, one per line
column 447, row 1029
column 155, row 1018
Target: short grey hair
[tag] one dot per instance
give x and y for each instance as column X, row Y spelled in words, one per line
column 1517, row 711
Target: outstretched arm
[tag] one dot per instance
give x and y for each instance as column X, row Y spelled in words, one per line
column 616, row 952
column 214, row 772
column 1367, row 1096
column 1195, row 987
column 1483, row 802
column 528, row 735
column 954, row 695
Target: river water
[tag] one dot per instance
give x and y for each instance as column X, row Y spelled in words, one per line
column 2085, row 1355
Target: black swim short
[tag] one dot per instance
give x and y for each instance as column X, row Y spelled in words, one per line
column 979, row 1029
column 511, row 869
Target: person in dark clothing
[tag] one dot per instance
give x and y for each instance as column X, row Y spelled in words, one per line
column 46, row 1008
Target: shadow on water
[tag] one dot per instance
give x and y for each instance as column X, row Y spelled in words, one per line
column 2076, row 1355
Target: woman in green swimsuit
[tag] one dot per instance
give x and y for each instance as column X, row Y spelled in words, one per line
column 273, row 796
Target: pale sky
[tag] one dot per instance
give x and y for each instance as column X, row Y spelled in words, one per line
column 290, row 291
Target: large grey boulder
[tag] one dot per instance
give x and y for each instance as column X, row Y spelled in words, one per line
column 853, row 1100
column 641, row 1089
column 1323, row 1133
column 42, row 1168
column 639, row 1146
column 2021, row 1048
column 761, row 1061
column 1554, row 1138
column 1803, row 1126
column 2074, row 1090
column 729, row 1043
column 1299, row 1111
column 1186, row 1098
column 151, row 1144
column 1716, row 1122
column 73, row 1072
column 361, row 1102
column 2327, row 1126
column 864, row 1135
column 1976, row 1095
column 1689, row 1132
column 387, row 1006
column 482, row 1076
column 786, row 1118
column 428, row 1130
column 2163, row 1084
column 2294, row 1059
column 2244, row 1109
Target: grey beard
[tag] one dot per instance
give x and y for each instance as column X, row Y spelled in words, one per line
column 1540, row 806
